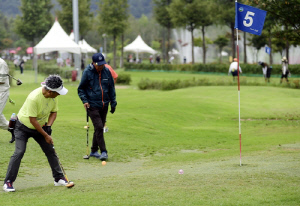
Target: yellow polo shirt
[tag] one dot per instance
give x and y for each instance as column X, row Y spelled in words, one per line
column 36, row 105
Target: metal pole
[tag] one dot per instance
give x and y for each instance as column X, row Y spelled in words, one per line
column 77, row 57
column 238, row 69
column 104, row 46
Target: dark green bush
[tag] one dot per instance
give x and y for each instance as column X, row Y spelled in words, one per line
column 124, row 78
column 216, row 68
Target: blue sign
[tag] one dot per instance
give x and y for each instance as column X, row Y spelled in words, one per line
column 249, row 19
column 268, row 50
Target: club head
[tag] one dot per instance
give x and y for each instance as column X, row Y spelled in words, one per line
column 19, row 82
column 70, row 185
column 86, row 157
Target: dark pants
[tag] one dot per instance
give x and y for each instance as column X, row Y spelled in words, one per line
column 98, row 117
column 22, row 134
column 284, row 76
column 21, row 69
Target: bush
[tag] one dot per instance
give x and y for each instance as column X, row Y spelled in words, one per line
column 124, row 79
column 216, row 68
column 145, row 84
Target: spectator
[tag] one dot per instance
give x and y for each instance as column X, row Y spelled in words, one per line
column 60, row 62
column 266, row 70
column 233, row 68
column 158, row 59
column 151, row 59
column 16, row 62
column 285, row 70
column 68, row 62
column 21, row 65
column 171, row 59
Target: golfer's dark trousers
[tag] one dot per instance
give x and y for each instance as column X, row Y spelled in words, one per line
column 98, row 117
column 22, row 134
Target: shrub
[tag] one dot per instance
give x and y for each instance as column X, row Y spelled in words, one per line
column 124, row 78
column 213, row 67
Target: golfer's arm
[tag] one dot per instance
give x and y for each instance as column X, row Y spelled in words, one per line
column 37, row 126
column 51, row 118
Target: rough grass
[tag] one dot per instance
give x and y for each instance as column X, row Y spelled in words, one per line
column 153, row 134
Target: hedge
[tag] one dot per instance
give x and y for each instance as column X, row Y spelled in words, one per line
column 215, row 68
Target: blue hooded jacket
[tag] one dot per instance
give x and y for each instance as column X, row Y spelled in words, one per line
column 97, row 89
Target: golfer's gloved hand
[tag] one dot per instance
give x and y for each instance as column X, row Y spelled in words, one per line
column 47, row 129
column 112, row 110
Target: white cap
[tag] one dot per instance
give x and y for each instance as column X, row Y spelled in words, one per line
column 60, row 90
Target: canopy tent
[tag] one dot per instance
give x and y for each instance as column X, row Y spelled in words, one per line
column 56, row 40
column 139, row 46
column 84, row 46
column 173, row 52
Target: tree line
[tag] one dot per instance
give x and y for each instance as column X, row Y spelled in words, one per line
column 114, row 23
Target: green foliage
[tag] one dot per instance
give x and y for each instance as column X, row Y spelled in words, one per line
column 212, row 68
column 36, row 19
column 113, row 15
column 47, row 69
column 113, row 20
column 283, row 13
column 124, row 78
column 65, row 16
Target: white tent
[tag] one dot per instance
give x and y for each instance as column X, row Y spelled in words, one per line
column 173, row 52
column 56, row 40
column 84, row 46
column 139, row 46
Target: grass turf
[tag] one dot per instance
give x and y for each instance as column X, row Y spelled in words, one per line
column 153, row 134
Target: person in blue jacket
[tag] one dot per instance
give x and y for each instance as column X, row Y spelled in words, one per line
column 96, row 91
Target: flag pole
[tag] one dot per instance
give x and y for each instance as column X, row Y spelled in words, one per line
column 239, row 102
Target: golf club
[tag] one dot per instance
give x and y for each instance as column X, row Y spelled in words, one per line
column 87, row 137
column 70, row 184
column 19, row 82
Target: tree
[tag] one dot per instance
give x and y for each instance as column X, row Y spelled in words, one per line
column 206, row 15
column 65, row 16
column 199, row 42
column 113, row 19
column 185, row 13
column 226, row 15
column 221, row 42
column 259, row 42
column 285, row 13
column 36, row 19
column 3, row 33
column 164, row 19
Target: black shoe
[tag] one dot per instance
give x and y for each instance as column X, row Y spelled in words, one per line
column 12, row 135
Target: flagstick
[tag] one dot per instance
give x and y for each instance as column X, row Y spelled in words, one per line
column 238, row 66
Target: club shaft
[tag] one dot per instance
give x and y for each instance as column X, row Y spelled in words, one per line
column 61, row 166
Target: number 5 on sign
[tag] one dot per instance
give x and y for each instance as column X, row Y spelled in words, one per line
column 249, row 19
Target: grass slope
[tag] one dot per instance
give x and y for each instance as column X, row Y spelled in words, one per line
column 153, row 134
